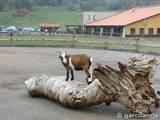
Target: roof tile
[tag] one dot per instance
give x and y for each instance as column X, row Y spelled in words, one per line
column 49, row 25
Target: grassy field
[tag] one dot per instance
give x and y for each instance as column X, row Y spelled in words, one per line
column 35, row 18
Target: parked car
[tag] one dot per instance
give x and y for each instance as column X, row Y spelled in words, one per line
column 61, row 31
column 2, row 26
column 4, row 31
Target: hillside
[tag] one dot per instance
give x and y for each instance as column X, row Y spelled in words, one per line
column 85, row 5
column 35, row 18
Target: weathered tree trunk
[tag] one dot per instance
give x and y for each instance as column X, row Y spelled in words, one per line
column 68, row 93
column 130, row 86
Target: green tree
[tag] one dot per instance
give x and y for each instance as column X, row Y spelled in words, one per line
column 86, row 5
column 73, row 7
column 1, row 5
column 59, row 2
column 114, row 5
column 23, row 4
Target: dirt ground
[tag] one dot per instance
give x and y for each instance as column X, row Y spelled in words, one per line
column 18, row 64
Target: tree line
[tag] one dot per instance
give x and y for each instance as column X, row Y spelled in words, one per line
column 84, row 5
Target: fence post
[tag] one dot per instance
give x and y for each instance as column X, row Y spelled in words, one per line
column 106, row 45
column 137, row 39
column 11, row 41
column 10, row 35
column 43, row 40
column 73, row 40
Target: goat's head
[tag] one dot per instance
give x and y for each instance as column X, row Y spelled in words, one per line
column 63, row 57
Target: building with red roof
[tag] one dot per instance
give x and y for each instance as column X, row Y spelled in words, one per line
column 49, row 27
column 142, row 21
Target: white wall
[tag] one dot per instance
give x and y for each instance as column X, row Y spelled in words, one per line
column 91, row 16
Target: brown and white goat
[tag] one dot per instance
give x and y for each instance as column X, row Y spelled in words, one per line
column 77, row 62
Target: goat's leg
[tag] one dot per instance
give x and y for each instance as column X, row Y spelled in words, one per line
column 88, row 79
column 67, row 73
column 72, row 75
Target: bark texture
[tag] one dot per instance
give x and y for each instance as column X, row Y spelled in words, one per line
column 130, row 86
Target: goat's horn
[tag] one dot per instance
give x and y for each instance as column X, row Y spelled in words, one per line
column 59, row 52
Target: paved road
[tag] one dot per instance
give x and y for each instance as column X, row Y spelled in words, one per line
column 19, row 64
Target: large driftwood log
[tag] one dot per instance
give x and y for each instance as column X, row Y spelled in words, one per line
column 68, row 93
column 130, row 86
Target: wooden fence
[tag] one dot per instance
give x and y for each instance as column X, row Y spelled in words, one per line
column 73, row 43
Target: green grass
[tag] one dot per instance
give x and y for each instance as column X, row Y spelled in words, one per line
column 35, row 18
column 40, row 42
column 85, row 38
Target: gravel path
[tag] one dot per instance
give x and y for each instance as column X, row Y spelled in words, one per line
column 18, row 64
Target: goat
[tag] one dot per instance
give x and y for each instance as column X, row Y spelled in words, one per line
column 77, row 62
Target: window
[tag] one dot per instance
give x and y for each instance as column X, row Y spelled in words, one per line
column 158, row 30
column 132, row 31
column 89, row 17
column 150, row 31
column 107, row 29
column 118, row 29
column 94, row 17
column 97, row 29
column 88, row 28
column 141, row 31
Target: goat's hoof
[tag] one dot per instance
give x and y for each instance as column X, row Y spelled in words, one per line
column 108, row 103
column 89, row 82
column 72, row 79
column 66, row 79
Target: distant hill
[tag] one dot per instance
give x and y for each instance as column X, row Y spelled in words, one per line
column 74, row 5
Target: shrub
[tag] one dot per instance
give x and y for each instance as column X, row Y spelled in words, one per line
column 73, row 7
column 20, row 12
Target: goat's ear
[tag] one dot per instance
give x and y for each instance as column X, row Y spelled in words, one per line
column 66, row 56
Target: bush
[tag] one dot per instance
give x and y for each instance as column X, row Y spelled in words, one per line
column 20, row 12
column 73, row 7
column 114, row 5
column 87, row 6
